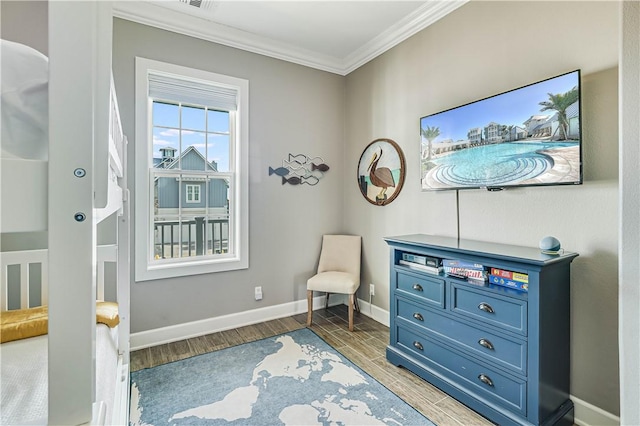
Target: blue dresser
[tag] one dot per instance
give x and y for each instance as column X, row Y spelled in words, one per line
column 501, row 351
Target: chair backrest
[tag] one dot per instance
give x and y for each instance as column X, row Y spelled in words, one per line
column 341, row 253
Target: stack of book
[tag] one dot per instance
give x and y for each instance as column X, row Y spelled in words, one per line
column 429, row 264
column 472, row 272
column 511, row 279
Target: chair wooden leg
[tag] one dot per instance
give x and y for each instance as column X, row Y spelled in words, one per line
column 356, row 305
column 326, row 301
column 351, row 302
column 309, row 307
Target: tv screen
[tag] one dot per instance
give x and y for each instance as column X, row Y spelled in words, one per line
column 528, row 136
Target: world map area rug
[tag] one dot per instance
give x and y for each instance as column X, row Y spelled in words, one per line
column 291, row 379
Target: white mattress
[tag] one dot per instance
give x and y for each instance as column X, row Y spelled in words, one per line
column 24, row 103
column 23, row 377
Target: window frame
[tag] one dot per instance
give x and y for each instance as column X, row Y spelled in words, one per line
column 195, row 193
column 146, row 267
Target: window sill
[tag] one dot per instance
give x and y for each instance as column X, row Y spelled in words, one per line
column 188, row 268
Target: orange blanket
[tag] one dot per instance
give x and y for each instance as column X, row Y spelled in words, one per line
column 25, row 323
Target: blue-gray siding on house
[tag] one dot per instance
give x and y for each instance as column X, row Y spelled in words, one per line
column 167, row 187
column 168, row 193
column 193, row 161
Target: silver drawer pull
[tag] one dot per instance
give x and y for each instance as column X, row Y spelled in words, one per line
column 417, row 287
column 485, row 379
column 486, row 308
column 418, row 316
column 418, row 346
column 485, row 343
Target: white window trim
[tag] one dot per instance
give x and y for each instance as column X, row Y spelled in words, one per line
column 195, row 191
column 145, row 269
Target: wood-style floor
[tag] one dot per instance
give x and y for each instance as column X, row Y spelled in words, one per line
column 365, row 347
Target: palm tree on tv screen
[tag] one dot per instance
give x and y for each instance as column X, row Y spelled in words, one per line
column 559, row 103
column 430, row 133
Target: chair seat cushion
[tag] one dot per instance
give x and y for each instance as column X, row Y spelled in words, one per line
column 334, row 282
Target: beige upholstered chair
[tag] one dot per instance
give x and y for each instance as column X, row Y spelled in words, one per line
column 338, row 271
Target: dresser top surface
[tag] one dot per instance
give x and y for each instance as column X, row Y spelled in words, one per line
column 482, row 248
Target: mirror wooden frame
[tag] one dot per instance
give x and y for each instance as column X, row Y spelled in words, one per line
column 381, row 171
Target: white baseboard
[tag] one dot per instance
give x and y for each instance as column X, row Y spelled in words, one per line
column 586, row 414
column 589, row 415
column 174, row 333
column 374, row 312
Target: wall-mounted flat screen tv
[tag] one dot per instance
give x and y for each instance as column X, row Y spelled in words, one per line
column 528, row 136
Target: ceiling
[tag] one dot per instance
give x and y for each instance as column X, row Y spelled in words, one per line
column 335, row 36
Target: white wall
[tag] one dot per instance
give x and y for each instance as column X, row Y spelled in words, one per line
column 293, row 109
column 481, row 49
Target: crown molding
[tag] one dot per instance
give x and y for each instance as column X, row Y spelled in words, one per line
column 421, row 18
column 147, row 13
column 159, row 16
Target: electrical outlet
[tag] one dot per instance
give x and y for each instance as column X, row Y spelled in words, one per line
column 372, row 290
column 258, row 293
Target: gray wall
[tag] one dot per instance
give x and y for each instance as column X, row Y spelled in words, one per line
column 25, row 22
column 629, row 225
column 293, row 109
column 481, row 49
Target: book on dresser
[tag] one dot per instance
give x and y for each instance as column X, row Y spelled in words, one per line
column 458, row 263
column 465, row 270
column 422, row 260
column 499, row 349
column 420, row 267
column 510, row 275
column 508, row 282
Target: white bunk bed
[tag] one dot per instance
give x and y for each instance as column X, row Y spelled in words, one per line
column 78, row 372
column 24, row 367
column 23, row 152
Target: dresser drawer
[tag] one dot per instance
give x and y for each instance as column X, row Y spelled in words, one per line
column 486, row 382
column 427, row 289
column 506, row 313
column 497, row 350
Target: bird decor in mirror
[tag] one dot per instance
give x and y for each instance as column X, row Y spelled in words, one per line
column 381, row 171
column 300, row 169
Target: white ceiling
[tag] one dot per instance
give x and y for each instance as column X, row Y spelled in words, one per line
column 335, row 36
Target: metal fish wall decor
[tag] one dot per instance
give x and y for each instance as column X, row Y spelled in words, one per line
column 300, row 169
column 280, row 171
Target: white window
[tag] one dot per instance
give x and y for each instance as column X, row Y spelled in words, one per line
column 191, row 171
column 193, row 193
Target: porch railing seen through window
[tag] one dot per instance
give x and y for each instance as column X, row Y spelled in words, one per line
column 199, row 237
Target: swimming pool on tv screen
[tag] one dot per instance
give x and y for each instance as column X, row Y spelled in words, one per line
column 495, row 165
